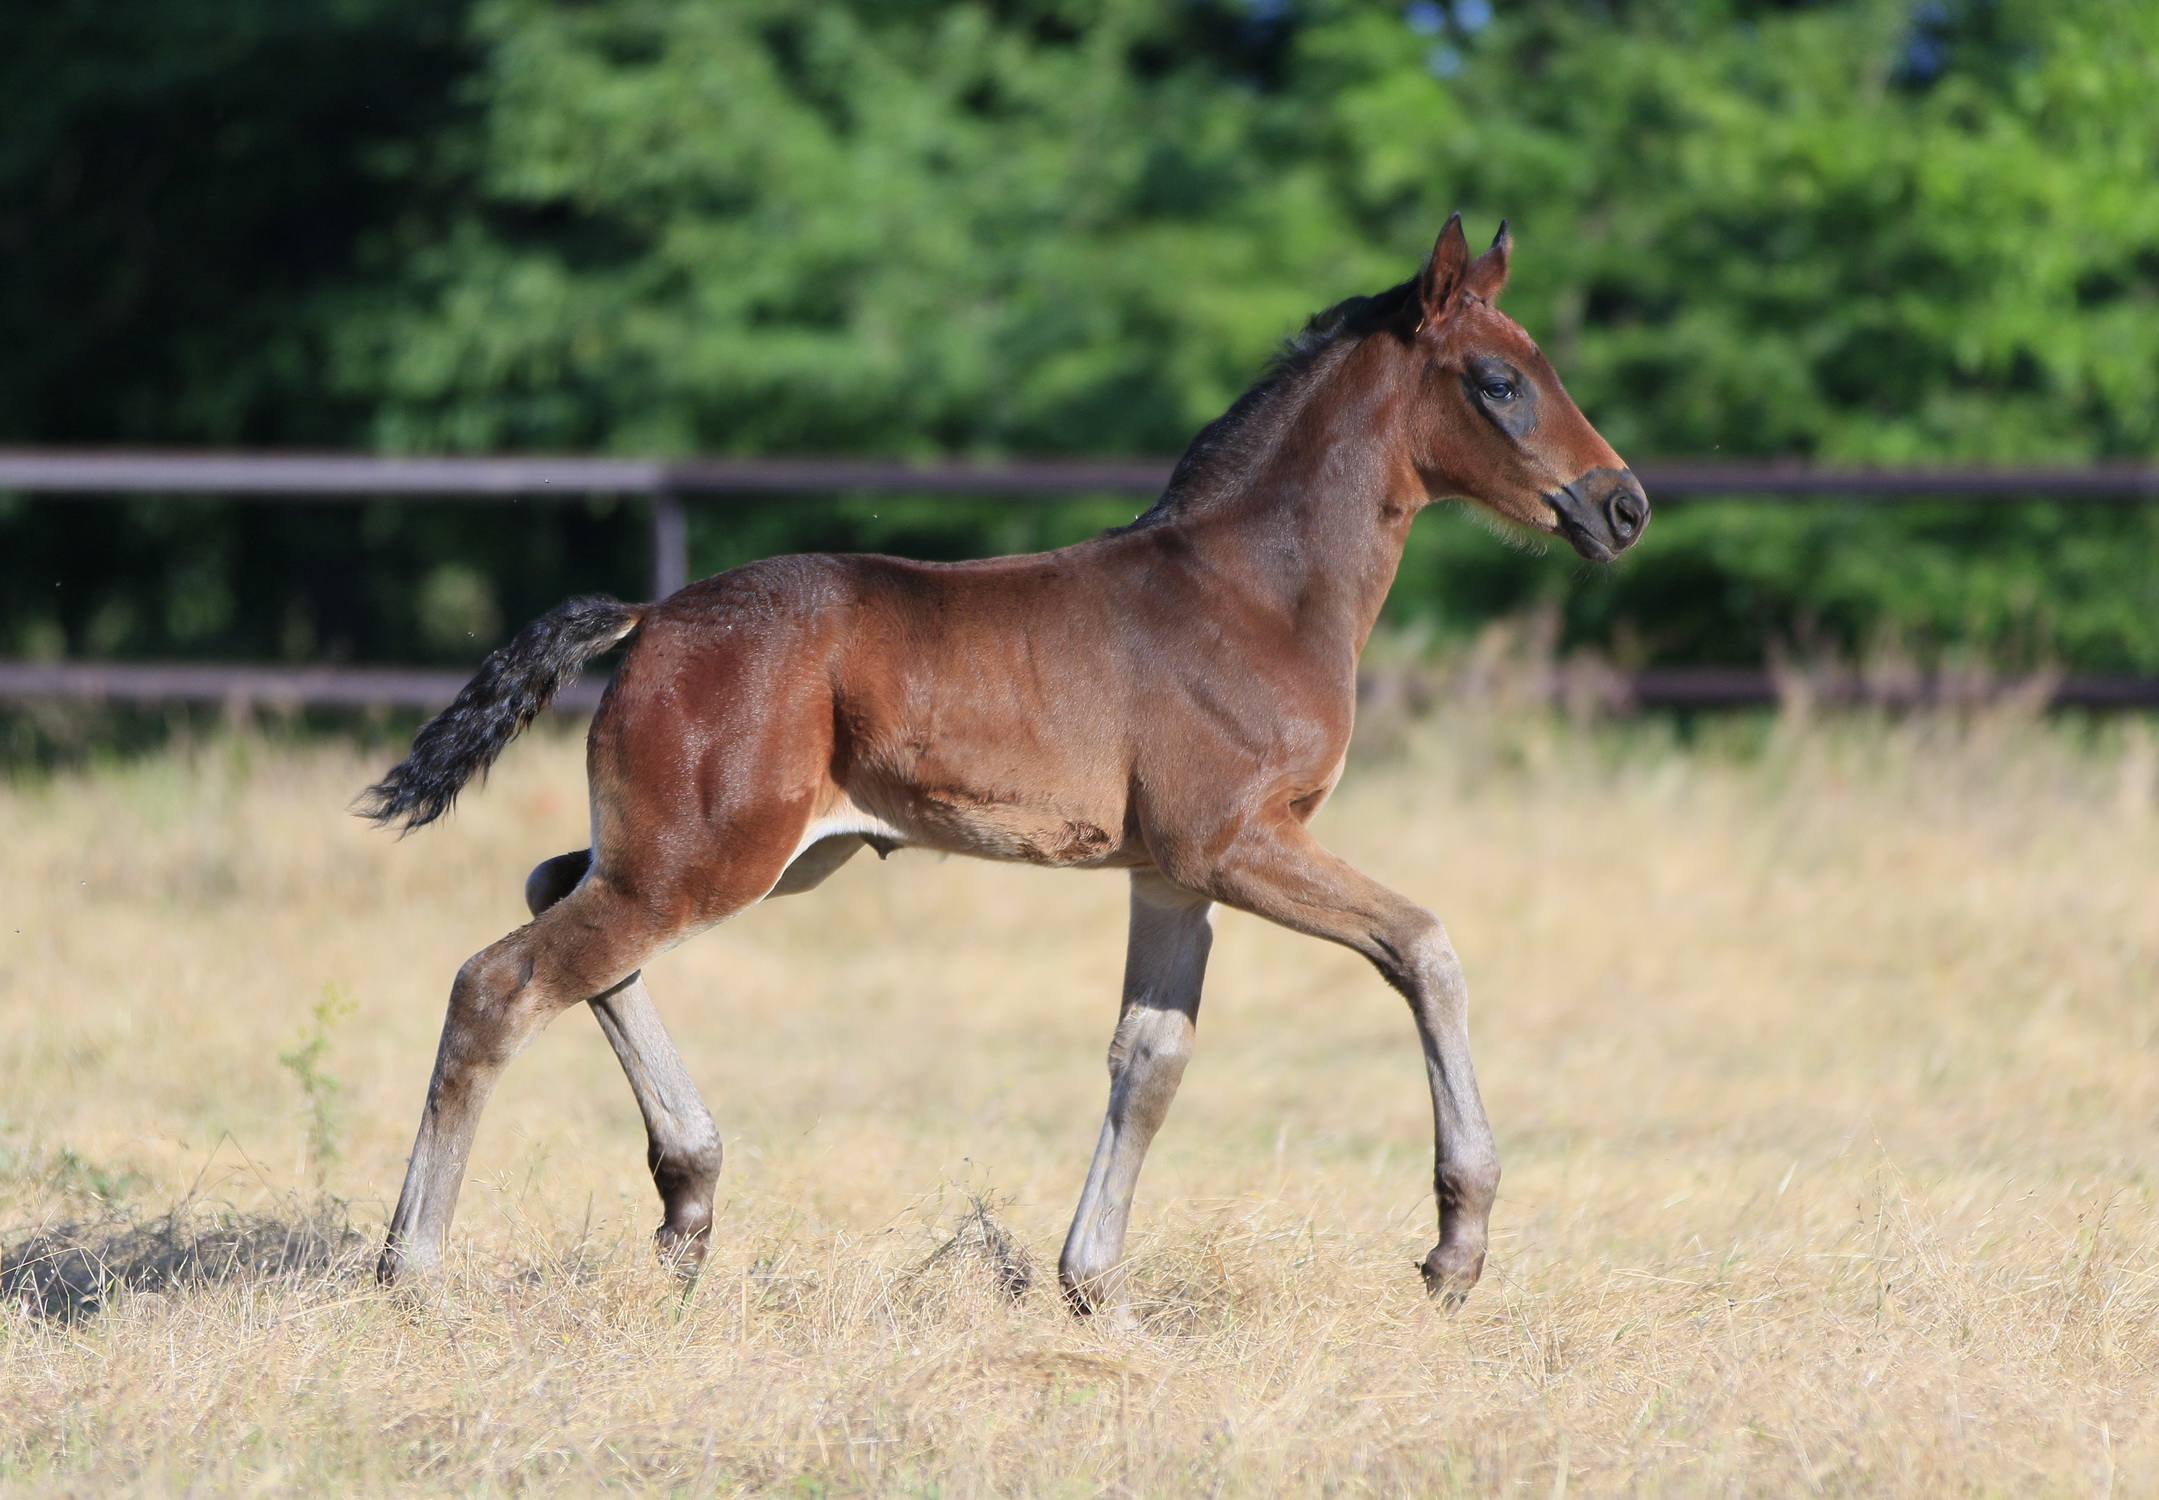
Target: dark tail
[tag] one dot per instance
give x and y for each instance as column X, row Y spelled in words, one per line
column 505, row 695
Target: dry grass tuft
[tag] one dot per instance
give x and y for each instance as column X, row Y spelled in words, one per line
column 1823, row 1053
column 978, row 1238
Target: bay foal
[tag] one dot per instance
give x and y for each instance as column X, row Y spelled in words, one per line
column 1172, row 698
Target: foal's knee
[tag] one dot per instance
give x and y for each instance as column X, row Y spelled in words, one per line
column 1413, row 950
column 552, row 879
column 1149, row 1038
column 1146, row 1063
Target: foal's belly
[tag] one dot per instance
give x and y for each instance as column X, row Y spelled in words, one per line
column 961, row 822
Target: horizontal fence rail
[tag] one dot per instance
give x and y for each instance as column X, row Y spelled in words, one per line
column 320, row 476
column 252, row 685
column 666, row 483
column 1738, row 687
column 303, row 476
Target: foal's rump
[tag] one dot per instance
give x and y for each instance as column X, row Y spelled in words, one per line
column 710, row 754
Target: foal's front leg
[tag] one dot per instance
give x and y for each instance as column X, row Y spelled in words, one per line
column 1280, row 872
column 1165, row 962
column 682, row 1144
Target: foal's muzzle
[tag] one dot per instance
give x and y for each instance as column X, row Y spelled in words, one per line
column 1602, row 513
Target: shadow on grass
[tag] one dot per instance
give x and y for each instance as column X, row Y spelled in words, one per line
column 67, row 1272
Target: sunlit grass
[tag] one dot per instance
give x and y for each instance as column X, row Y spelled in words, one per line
column 1825, row 1065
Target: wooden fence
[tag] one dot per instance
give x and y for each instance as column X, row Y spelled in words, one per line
column 666, row 485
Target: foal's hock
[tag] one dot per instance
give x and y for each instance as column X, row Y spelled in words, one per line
column 1172, row 698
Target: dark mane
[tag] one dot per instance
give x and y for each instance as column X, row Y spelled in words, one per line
column 1244, row 429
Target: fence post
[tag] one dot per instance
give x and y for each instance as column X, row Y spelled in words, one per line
column 670, row 544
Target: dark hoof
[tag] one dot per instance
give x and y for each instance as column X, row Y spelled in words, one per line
column 1108, row 1314
column 1084, row 1299
column 1448, row 1278
column 398, row 1265
column 1100, row 1297
column 682, row 1252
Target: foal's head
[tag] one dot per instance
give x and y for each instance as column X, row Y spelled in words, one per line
column 1495, row 424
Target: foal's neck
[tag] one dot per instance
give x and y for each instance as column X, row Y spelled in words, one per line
column 1308, row 512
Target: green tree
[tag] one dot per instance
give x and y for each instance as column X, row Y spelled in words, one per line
column 1858, row 231
column 1853, row 230
column 183, row 183
column 764, row 225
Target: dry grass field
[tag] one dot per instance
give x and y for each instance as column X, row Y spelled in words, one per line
column 1824, row 1061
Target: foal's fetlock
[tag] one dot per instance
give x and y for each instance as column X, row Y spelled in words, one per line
column 686, row 1184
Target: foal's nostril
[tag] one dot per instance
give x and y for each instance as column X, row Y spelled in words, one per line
column 1602, row 512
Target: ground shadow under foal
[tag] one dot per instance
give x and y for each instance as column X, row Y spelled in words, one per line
column 1172, row 698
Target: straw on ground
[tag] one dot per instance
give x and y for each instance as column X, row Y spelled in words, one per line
column 1825, row 1064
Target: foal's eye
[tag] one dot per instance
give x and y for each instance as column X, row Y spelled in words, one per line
column 1498, row 390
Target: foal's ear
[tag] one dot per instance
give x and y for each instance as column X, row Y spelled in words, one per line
column 1442, row 275
column 1487, row 274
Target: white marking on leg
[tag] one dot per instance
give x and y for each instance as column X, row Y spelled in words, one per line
column 1165, row 964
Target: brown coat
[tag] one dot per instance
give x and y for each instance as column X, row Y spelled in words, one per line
column 1173, row 698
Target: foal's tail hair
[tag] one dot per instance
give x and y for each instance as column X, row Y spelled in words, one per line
column 505, row 695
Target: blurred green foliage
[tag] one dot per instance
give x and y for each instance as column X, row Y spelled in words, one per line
column 1855, row 230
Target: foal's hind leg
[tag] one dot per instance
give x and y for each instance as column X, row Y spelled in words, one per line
column 584, row 945
column 1165, row 961
column 682, row 1144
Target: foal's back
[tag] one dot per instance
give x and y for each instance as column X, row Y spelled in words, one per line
column 991, row 708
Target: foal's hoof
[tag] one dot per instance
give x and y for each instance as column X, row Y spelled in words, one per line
column 1449, row 1275
column 682, row 1251
column 398, row 1265
column 1116, row 1314
column 1099, row 1297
